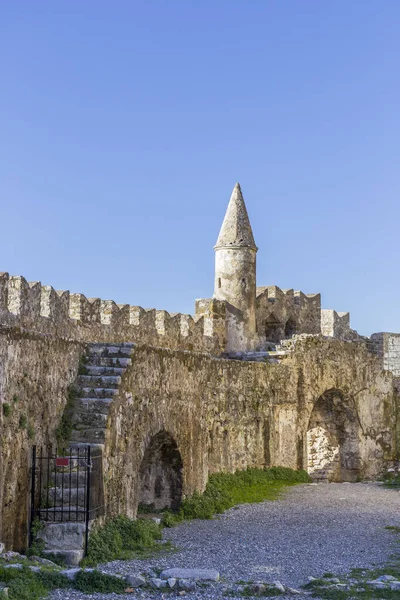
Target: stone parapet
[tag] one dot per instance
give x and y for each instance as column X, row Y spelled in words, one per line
column 41, row 308
column 283, row 313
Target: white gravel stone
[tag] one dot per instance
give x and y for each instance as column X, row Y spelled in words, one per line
column 158, row 584
column 278, row 586
column 199, row 574
column 34, row 569
column 307, row 531
column 394, row 585
column 171, row 582
column 187, row 584
column 135, row 580
column 386, row 578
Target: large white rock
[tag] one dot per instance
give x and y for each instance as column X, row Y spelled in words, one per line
column 158, row 584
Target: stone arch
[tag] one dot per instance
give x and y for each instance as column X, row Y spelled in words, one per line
column 160, row 474
column 274, row 329
column 333, row 435
column 290, row 327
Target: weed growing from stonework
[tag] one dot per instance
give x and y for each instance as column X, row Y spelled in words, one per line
column 31, row 432
column 123, row 538
column 23, row 422
column 64, row 430
column 6, row 409
column 225, row 490
column 82, row 369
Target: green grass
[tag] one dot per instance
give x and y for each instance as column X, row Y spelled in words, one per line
column 123, row 538
column 25, row 585
column 225, row 490
column 392, row 480
column 88, row 583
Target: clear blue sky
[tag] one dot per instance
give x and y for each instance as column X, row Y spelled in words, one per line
column 125, row 125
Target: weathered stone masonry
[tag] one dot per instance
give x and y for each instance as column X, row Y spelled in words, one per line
column 323, row 399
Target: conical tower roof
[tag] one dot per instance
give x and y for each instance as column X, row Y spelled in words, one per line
column 236, row 229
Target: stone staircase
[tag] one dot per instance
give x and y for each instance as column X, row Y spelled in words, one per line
column 64, row 514
column 103, row 369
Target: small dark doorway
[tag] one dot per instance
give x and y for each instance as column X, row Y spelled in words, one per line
column 290, row 328
column 160, row 475
column 274, row 329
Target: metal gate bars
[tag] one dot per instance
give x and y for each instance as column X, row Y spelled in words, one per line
column 66, row 485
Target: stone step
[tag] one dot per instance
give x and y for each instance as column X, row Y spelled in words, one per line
column 107, row 361
column 98, row 392
column 101, row 371
column 95, row 381
column 84, row 419
column 109, row 351
column 71, row 535
column 69, row 478
column 66, row 496
column 88, row 436
column 95, row 447
column 65, row 540
column 56, row 515
column 93, row 405
column 71, row 558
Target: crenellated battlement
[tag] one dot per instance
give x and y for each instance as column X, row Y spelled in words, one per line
column 337, row 325
column 41, row 308
column 283, row 313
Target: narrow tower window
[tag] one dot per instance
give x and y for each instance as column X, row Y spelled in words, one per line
column 219, row 282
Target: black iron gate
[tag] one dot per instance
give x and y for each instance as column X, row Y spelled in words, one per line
column 66, row 485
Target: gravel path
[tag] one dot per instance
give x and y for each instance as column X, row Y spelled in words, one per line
column 310, row 530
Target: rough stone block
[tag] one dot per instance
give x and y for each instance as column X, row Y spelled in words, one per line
column 135, row 580
column 158, row 584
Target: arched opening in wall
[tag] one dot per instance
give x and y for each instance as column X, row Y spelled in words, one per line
column 160, row 475
column 274, row 329
column 290, row 328
column 333, row 435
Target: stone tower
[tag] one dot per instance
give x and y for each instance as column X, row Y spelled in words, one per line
column 235, row 274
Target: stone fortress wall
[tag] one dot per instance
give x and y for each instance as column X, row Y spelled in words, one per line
column 41, row 308
column 193, row 386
